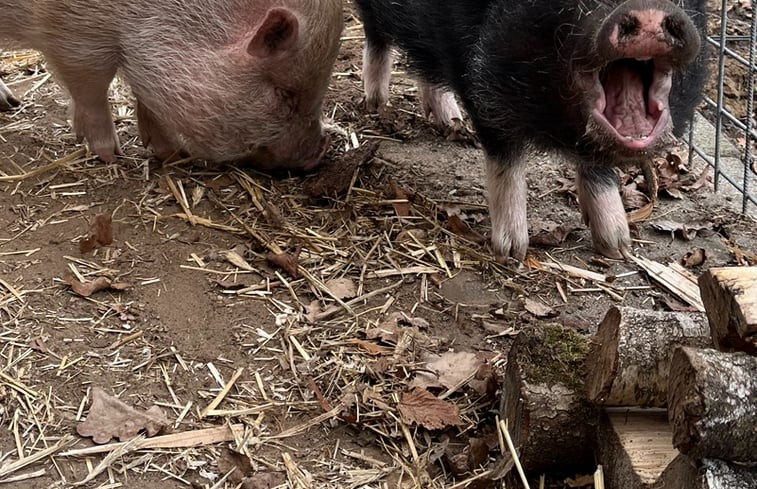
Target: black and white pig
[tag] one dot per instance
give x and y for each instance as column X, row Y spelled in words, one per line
column 606, row 82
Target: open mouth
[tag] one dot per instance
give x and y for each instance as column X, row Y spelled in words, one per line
column 632, row 101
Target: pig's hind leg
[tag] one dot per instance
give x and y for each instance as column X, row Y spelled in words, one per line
column 506, row 185
column 7, row 100
column 91, row 109
column 602, row 210
column 155, row 136
column 377, row 68
column 442, row 104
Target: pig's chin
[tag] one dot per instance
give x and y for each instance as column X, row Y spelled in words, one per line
column 631, row 102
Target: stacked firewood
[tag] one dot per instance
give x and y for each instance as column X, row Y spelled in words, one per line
column 662, row 400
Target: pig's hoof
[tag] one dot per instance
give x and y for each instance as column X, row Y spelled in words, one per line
column 375, row 104
column 612, row 241
column 513, row 245
column 107, row 152
column 8, row 102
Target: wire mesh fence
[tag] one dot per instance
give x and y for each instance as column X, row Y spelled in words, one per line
column 731, row 150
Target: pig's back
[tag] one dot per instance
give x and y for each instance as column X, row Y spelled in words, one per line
column 438, row 35
column 18, row 21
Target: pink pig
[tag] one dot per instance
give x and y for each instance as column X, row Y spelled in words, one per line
column 219, row 79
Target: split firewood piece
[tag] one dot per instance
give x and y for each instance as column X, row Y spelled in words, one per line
column 551, row 422
column 629, row 358
column 730, row 298
column 634, row 447
column 713, row 404
column 685, row 473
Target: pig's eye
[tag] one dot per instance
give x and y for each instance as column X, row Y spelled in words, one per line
column 286, row 99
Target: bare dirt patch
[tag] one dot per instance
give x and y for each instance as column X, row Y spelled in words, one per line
column 320, row 377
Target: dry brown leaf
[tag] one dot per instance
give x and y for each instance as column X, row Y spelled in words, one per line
column 285, row 261
column 273, row 215
column 229, row 459
column 389, row 330
column 370, row 347
column 687, row 233
column 343, row 288
column 473, row 455
column 550, row 234
column 236, row 259
column 448, row 370
column 315, row 313
column 411, row 235
column 110, row 417
column 402, row 209
column 86, row 289
column 422, row 407
column 100, row 233
column 485, row 382
column 264, row 480
column 694, row 258
column 699, row 182
column 457, row 226
column 673, row 192
column 436, row 279
column 641, row 214
column 540, row 310
column 633, row 198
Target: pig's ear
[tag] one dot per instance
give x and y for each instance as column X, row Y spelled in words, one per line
column 276, row 34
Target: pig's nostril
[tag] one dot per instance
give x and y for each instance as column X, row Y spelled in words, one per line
column 673, row 29
column 629, row 26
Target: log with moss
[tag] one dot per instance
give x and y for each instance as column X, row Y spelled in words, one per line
column 712, row 399
column 549, row 418
column 629, row 358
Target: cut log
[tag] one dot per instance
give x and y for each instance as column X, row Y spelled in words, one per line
column 629, row 358
column 549, row 418
column 635, row 447
column 730, row 298
column 712, row 399
column 685, row 473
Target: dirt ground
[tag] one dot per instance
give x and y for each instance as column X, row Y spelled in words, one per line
column 317, row 391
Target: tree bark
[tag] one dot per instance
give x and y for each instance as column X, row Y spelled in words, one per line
column 685, row 473
column 730, row 298
column 629, row 359
column 548, row 417
column 712, row 399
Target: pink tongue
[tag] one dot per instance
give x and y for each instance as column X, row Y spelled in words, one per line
column 626, row 109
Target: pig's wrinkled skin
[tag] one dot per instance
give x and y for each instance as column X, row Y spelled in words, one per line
column 218, row 79
column 606, row 82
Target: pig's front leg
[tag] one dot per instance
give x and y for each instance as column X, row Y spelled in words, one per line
column 154, row 135
column 7, row 100
column 602, row 210
column 506, row 184
column 377, row 69
column 90, row 107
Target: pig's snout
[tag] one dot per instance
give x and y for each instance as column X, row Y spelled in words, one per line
column 297, row 155
column 311, row 162
column 648, row 30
